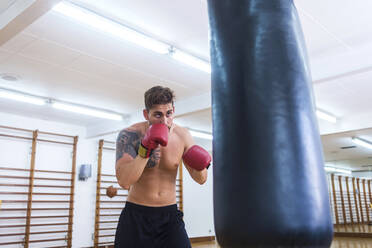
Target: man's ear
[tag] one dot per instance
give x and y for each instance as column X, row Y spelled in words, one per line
column 146, row 114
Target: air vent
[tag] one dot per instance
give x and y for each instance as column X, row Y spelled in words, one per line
column 347, row 147
column 9, row 77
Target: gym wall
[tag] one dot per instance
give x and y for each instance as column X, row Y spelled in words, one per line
column 197, row 199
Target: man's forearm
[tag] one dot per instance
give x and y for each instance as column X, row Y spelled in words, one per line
column 199, row 176
column 127, row 173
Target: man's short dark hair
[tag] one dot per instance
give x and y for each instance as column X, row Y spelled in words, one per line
column 158, row 95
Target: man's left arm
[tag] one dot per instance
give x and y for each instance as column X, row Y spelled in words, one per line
column 196, row 159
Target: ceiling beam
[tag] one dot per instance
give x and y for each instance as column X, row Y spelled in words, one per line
column 106, row 128
column 20, row 15
column 341, row 65
column 182, row 108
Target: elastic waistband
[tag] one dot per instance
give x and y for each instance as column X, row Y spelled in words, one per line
column 150, row 210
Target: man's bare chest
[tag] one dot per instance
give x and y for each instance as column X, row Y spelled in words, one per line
column 167, row 157
column 171, row 155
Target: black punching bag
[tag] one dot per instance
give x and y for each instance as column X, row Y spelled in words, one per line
column 270, row 187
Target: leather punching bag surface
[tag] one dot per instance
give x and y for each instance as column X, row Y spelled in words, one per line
column 270, row 187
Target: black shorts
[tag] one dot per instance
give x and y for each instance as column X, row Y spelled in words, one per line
column 151, row 227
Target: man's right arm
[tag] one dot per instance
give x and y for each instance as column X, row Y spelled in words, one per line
column 129, row 166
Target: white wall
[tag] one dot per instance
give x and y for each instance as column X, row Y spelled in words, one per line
column 85, row 195
column 198, row 200
column 362, row 174
column 55, row 157
column 198, row 205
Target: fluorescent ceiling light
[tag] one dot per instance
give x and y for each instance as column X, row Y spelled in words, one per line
column 191, row 61
column 110, row 27
column 201, row 135
column 115, row 29
column 325, row 116
column 339, row 170
column 21, row 97
column 362, row 142
column 87, row 111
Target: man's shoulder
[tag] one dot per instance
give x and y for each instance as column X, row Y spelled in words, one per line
column 181, row 131
column 135, row 128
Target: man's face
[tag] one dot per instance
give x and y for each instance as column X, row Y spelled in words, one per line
column 161, row 113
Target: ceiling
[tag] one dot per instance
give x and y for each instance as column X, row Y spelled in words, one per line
column 55, row 57
column 340, row 151
column 5, row 4
column 59, row 58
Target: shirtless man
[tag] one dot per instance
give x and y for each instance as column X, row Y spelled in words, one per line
column 148, row 155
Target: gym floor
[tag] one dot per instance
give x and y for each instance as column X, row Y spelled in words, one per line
column 338, row 242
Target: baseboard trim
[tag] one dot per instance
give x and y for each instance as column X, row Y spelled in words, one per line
column 202, row 239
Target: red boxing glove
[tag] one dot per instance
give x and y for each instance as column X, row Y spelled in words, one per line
column 156, row 134
column 197, row 158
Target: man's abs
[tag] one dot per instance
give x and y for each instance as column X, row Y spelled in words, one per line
column 154, row 188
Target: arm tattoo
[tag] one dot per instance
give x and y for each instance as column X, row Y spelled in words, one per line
column 127, row 142
column 154, row 158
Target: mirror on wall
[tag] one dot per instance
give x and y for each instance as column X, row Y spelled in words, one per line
column 348, row 163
